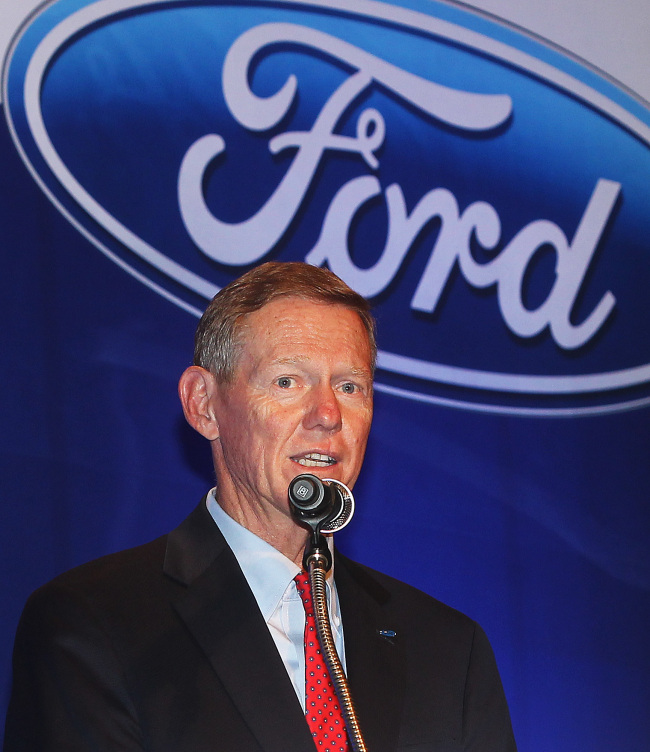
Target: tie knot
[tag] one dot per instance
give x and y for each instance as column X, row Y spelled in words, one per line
column 303, row 587
column 302, row 579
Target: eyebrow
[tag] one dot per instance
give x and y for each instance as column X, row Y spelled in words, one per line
column 290, row 361
column 297, row 359
column 361, row 372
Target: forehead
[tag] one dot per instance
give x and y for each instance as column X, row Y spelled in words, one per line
column 292, row 323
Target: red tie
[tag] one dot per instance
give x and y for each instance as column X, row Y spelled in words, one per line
column 322, row 708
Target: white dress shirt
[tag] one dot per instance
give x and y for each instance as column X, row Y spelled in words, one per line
column 270, row 576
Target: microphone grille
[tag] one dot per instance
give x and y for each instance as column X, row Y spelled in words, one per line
column 339, row 521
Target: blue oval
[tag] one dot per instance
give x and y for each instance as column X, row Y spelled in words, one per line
column 105, row 100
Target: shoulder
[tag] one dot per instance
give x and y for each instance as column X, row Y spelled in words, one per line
column 98, row 587
column 411, row 607
column 130, row 589
column 101, row 573
column 452, row 680
column 135, row 575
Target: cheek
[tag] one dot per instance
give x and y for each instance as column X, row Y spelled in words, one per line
column 240, row 438
column 356, row 442
column 359, row 423
column 268, row 426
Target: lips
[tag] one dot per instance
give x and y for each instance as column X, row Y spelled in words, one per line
column 314, row 459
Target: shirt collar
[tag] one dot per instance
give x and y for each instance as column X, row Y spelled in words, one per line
column 267, row 571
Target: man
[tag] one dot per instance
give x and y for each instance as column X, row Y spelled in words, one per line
column 195, row 641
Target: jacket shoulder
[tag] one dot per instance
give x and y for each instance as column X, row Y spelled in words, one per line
column 400, row 597
column 136, row 562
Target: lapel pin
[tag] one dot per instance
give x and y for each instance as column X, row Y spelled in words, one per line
column 387, row 633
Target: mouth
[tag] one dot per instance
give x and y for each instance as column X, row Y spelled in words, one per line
column 314, row 459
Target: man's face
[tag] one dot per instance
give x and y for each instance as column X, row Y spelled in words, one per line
column 301, row 401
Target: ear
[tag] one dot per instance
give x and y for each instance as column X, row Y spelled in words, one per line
column 197, row 390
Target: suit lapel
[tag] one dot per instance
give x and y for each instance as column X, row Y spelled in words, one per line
column 375, row 664
column 220, row 611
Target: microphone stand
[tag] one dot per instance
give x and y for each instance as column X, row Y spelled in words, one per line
column 325, row 505
column 317, row 562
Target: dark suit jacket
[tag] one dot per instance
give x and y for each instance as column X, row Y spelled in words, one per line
column 163, row 648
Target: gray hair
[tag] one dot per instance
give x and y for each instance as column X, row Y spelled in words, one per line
column 217, row 341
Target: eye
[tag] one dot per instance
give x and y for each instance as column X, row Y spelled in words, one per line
column 284, row 382
column 349, row 387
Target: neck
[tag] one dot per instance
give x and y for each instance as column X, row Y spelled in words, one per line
column 278, row 530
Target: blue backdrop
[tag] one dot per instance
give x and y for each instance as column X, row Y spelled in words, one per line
column 486, row 193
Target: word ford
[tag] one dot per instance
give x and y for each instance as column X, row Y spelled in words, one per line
column 249, row 241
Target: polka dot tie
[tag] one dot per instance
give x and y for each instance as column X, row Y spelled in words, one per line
column 322, row 708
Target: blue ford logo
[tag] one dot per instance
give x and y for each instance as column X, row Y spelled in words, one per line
column 487, row 194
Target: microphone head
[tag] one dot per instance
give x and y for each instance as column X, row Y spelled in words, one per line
column 343, row 514
column 326, row 505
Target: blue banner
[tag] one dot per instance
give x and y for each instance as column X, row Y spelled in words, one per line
column 486, row 192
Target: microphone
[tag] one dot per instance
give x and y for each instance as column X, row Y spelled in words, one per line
column 326, row 505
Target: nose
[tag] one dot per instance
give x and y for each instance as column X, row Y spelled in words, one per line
column 324, row 411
